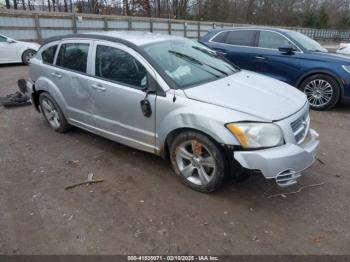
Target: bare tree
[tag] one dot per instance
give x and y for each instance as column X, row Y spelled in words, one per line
column 8, row 6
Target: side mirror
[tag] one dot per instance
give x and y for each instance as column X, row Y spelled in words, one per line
column 286, row 49
column 10, row 41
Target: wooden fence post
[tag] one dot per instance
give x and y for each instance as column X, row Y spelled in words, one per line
column 105, row 22
column 74, row 23
column 37, row 28
column 169, row 26
column 199, row 30
column 129, row 23
column 151, row 25
column 185, row 29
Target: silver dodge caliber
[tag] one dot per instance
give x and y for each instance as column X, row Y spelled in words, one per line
column 176, row 98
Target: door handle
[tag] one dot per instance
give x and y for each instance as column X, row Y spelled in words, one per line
column 56, row 75
column 99, row 87
column 260, row 57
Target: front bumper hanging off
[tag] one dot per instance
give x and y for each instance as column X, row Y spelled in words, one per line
column 284, row 163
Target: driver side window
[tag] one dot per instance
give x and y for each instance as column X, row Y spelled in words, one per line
column 273, row 40
column 119, row 66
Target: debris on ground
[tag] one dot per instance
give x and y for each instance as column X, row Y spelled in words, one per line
column 284, row 195
column 72, row 163
column 318, row 239
column 15, row 99
column 162, row 231
column 89, row 181
column 319, row 160
column 18, row 98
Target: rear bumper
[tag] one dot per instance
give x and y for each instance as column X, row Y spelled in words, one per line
column 284, row 163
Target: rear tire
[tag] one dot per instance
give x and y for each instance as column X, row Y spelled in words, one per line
column 322, row 91
column 198, row 161
column 27, row 55
column 53, row 114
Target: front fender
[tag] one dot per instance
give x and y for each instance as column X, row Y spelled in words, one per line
column 190, row 114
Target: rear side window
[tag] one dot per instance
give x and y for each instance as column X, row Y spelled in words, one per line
column 73, row 56
column 273, row 40
column 2, row 39
column 241, row 37
column 48, row 54
column 117, row 65
column 220, row 38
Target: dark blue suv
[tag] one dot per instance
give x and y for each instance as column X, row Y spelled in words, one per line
column 288, row 56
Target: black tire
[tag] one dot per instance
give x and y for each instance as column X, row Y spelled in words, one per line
column 63, row 124
column 218, row 173
column 29, row 53
column 331, row 100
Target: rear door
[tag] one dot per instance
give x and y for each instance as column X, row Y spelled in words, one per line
column 70, row 75
column 120, row 78
column 238, row 46
column 271, row 62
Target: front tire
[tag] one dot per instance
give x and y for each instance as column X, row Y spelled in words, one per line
column 198, row 161
column 27, row 55
column 322, row 91
column 52, row 113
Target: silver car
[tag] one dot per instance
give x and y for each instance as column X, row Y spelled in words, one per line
column 174, row 97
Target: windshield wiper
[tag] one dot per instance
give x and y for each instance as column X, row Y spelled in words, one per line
column 194, row 60
column 216, row 55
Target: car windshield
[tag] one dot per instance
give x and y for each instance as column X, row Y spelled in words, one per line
column 306, row 42
column 188, row 62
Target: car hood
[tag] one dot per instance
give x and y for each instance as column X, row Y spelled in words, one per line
column 251, row 93
column 333, row 57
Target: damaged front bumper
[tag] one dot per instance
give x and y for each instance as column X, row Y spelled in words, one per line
column 284, row 163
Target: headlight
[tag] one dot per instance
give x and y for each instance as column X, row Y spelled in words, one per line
column 346, row 68
column 257, row 135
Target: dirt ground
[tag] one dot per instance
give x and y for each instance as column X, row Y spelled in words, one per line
column 142, row 208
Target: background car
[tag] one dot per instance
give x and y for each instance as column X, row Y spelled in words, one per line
column 344, row 49
column 13, row 51
column 288, row 56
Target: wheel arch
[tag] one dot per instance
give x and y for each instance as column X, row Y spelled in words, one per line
column 25, row 50
column 322, row 72
column 164, row 152
column 44, row 84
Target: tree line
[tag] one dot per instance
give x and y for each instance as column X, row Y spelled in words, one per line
column 306, row 13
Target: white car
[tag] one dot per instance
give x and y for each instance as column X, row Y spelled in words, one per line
column 344, row 49
column 13, row 51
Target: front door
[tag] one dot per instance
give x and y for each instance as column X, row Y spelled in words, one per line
column 121, row 76
column 271, row 62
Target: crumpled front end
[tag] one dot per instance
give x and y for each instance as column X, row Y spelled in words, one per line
column 285, row 163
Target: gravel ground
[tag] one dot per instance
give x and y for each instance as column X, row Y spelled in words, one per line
column 142, row 208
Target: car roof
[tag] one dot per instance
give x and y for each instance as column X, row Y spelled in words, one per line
column 274, row 29
column 137, row 38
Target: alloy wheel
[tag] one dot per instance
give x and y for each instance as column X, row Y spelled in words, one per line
column 28, row 55
column 51, row 113
column 195, row 162
column 319, row 92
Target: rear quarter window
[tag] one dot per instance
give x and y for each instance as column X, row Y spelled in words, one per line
column 48, row 54
column 73, row 56
column 241, row 37
column 220, row 38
